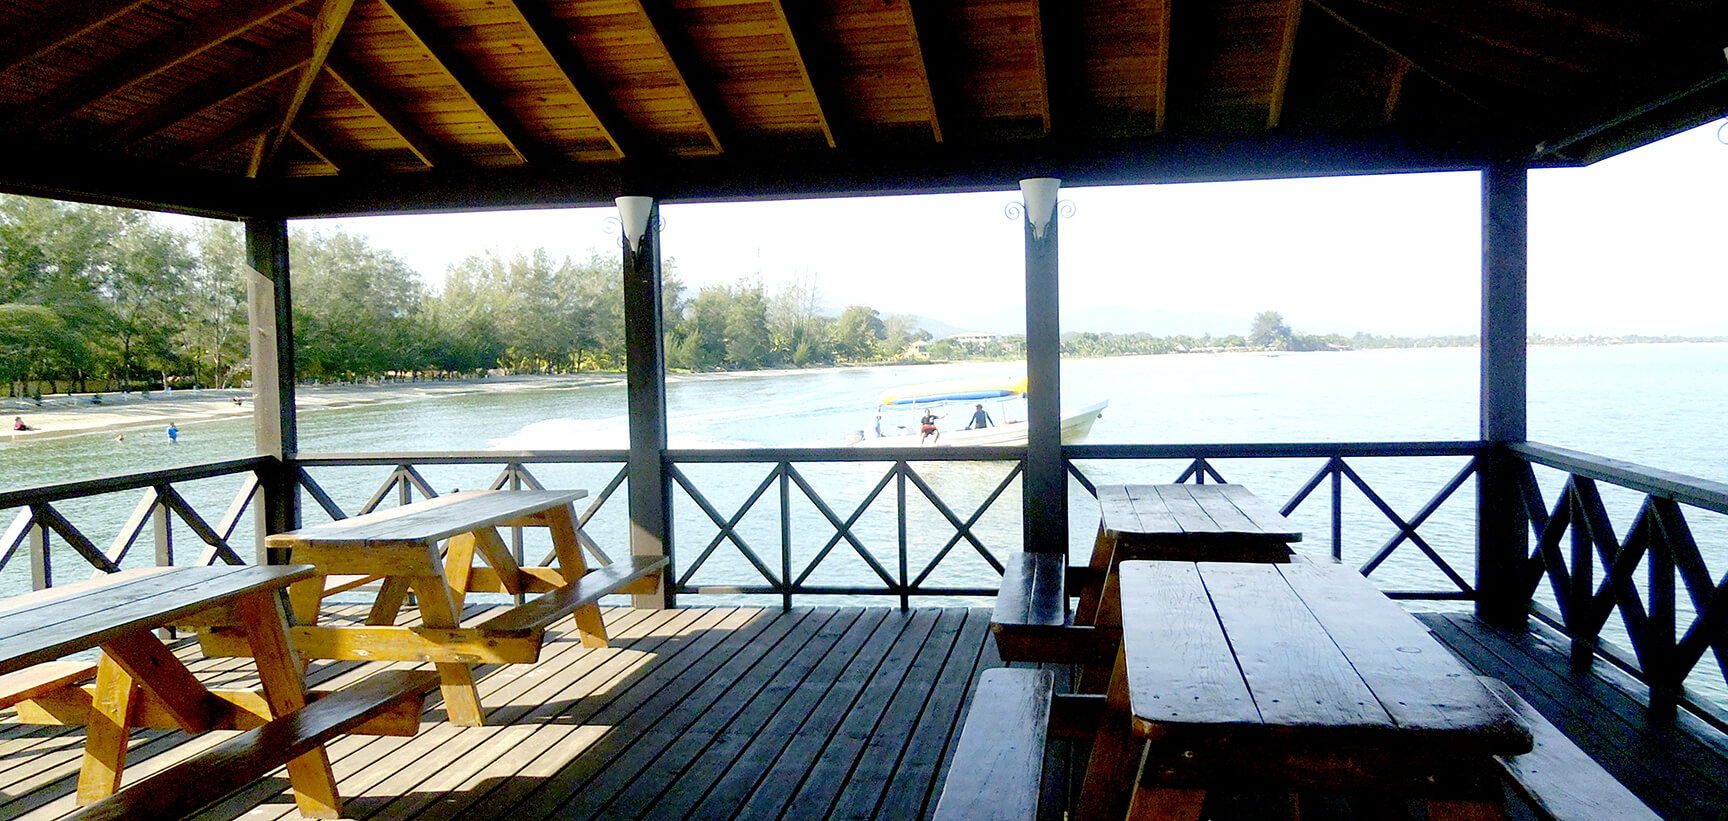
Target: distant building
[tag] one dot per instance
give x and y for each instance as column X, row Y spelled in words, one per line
column 919, row 350
column 976, row 340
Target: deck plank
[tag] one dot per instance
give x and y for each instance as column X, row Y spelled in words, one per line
column 1679, row 766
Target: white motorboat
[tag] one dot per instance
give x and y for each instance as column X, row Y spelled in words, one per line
column 898, row 415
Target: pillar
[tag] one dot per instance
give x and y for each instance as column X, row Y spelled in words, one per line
column 1502, row 528
column 1045, row 483
column 645, row 378
column 270, row 317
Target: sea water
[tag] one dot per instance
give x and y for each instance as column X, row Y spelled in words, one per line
column 1657, row 405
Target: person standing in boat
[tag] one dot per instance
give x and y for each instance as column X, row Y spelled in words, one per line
column 980, row 419
column 927, row 427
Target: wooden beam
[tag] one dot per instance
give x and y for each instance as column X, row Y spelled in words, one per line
column 316, row 142
column 144, row 62
column 236, row 81
column 1395, row 91
column 55, row 172
column 251, row 127
column 942, row 72
column 803, row 69
column 470, row 82
column 587, row 86
column 806, row 26
column 1286, row 48
column 1063, row 63
column 68, row 22
column 873, row 170
column 376, row 100
column 687, row 61
column 1438, row 76
column 325, row 28
column 641, row 12
column 1162, row 80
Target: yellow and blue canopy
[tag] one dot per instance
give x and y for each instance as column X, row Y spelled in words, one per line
column 964, row 390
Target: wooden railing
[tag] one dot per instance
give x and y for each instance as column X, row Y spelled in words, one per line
column 1673, row 607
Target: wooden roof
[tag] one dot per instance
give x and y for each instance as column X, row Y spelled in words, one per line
column 313, row 107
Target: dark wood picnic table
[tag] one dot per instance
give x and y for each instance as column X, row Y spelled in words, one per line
column 1285, row 678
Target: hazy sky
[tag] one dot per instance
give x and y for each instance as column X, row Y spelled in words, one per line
column 1631, row 244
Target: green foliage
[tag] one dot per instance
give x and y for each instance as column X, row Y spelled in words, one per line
column 1270, row 331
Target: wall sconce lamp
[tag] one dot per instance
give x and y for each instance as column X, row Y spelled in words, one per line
column 1039, row 196
column 633, row 213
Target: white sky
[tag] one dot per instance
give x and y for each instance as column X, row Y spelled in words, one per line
column 1631, row 244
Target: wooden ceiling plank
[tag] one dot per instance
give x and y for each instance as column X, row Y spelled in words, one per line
column 469, row 81
column 923, row 90
column 148, row 60
column 804, row 69
column 22, row 44
column 325, row 29
column 1161, row 83
column 687, row 63
column 1329, row 6
column 248, row 128
column 1286, row 48
column 544, row 29
column 1395, row 91
column 1467, row 23
column 238, row 80
column 378, row 102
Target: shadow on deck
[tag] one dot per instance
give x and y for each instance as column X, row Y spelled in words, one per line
column 699, row 713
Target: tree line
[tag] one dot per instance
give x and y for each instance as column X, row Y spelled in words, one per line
column 95, row 298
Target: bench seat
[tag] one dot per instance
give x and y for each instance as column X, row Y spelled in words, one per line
column 41, row 679
column 249, row 756
column 1031, row 622
column 541, row 612
column 998, row 768
column 1556, row 779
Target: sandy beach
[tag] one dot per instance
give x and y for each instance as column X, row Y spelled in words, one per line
column 71, row 415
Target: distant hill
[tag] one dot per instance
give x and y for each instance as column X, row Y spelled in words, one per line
column 1119, row 320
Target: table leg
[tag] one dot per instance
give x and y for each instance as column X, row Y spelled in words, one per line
column 1115, row 759
column 285, row 691
column 1096, row 678
column 1103, row 552
column 110, row 724
column 391, row 593
column 461, row 698
column 568, row 547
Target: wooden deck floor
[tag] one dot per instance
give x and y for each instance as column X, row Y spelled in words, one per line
column 1677, row 764
column 842, row 713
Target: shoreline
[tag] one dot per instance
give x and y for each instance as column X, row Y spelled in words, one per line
column 74, row 415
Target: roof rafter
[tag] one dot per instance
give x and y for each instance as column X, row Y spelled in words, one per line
column 249, row 128
column 1061, row 63
column 25, row 43
column 379, row 103
column 325, row 28
column 941, row 71
column 821, row 71
column 146, row 61
column 678, row 70
column 1286, row 49
column 687, row 61
column 472, row 85
column 614, row 126
column 314, row 140
column 1331, row 8
column 803, row 69
column 258, row 71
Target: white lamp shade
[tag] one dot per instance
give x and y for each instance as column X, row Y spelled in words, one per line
column 633, row 212
column 1039, row 196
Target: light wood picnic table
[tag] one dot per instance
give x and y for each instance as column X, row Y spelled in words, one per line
column 400, row 548
column 137, row 671
column 1286, row 677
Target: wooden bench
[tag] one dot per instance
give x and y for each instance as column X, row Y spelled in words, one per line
column 1556, row 779
column 1030, row 621
column 998, row 767
column 205, row 778
column 31, row 682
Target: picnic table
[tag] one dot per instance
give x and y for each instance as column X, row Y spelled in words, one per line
column 1285, row 678
column 1181, row 522
column 140, row 682
column 399, row 548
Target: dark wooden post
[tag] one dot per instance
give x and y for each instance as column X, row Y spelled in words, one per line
column 269, row 311
column 1045, row 484
column 645, row 366
column 1502, row 529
